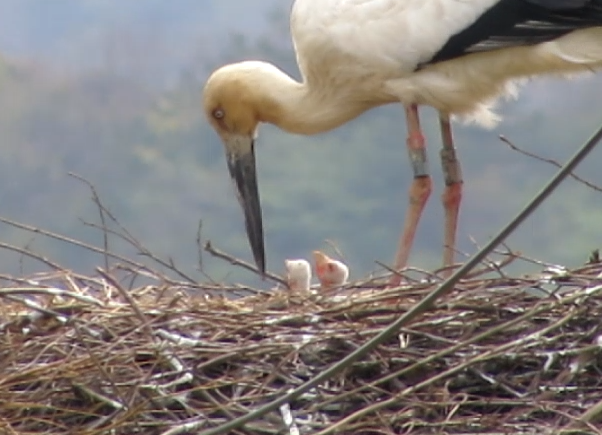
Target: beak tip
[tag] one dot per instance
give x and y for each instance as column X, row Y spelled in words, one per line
column 260, row 263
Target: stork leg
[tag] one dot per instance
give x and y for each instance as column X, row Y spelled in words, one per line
column 420, row 190
column 452, row 195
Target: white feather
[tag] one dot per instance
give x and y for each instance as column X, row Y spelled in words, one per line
column 368, row 50
column 387, row 37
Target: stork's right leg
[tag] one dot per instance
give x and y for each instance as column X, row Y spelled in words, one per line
column 452, row 196
column 419, row 191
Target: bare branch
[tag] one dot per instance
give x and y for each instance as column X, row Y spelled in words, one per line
column 240, row 263
column 101, row 212
column 550, row 161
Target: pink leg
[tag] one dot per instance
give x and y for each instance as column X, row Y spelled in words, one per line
column 452, row 196
column 419, row 191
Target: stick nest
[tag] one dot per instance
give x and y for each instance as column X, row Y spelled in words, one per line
column 500, row 355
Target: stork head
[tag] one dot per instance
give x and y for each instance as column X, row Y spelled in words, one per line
column 235, row 102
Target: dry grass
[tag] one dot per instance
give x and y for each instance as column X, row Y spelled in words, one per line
column 84, row 355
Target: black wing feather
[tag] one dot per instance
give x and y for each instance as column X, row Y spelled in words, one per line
column 521, row 22
column 555, row 5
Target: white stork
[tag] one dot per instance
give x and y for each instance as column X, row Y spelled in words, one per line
column 457, row 56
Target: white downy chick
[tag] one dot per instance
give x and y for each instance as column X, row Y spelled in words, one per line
column 298, row 274
column 331, row 273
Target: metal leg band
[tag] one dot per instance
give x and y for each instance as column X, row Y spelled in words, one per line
column 419, row 162
column 452, row 173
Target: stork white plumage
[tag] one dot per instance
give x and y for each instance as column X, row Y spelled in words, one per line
column 457, row 56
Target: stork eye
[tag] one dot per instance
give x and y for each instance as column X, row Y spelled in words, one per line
column 218, row 114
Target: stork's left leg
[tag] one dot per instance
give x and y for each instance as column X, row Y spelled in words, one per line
column 452, row 195
column 420, row 190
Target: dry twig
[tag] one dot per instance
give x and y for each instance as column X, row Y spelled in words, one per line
column 552, row 162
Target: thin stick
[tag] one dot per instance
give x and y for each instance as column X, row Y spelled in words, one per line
column 240, row 263
column 130, row 300
column 550, row 161
column 71, row 241
column 101, row 212
column 28, row 253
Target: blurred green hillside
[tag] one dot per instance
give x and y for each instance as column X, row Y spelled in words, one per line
column 131, row 124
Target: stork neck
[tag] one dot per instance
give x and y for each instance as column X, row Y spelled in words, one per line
column 303, row 109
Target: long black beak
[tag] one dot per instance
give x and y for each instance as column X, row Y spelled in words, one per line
column 241, row 163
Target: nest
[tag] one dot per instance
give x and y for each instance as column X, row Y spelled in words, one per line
column 496, row 355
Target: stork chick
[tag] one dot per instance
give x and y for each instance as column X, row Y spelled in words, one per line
column 331, row 273
column 298, row 274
